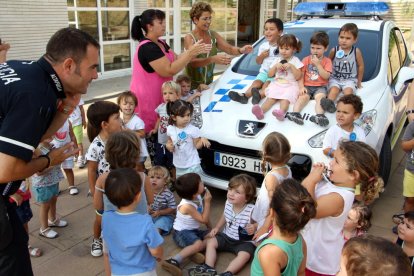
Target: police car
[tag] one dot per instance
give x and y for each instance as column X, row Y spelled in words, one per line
column 235, row 133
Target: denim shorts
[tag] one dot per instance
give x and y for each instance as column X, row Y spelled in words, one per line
column 165, row 223
column 163, row 157
column 186, row 238
column 45, row 194
column 313, row 90
column 24, row 212
column 194, row 169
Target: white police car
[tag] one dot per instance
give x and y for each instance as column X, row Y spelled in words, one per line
column 235, row 133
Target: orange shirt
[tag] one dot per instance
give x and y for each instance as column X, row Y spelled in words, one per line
column 311, row 74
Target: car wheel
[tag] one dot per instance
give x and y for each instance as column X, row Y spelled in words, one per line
column 385, row 159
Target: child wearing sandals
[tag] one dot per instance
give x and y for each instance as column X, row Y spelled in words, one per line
column 284, row 251
column 192, row 211
column 276, row 152
column 369, row 255
column 405, row 237
column 162, row 210
column 285, row 71
column 23, row 210
column 268, row 51
column 357, row 222
column 353, row 163
column 237, row 233
column 133, row 243
column 45, row 187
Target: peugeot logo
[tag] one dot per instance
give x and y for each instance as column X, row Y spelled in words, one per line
column 249, row 129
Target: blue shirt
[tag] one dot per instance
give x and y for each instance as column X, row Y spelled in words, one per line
column 128, row 237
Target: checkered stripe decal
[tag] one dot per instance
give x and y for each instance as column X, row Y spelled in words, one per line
column 221, row 97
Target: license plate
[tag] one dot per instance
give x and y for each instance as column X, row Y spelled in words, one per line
column 237, row 162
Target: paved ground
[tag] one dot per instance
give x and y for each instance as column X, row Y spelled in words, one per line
column 69, row 254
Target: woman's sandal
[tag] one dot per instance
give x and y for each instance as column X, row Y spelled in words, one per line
column 48, row 233
column 34, row 252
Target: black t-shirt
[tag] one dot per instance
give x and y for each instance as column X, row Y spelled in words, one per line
column 28, row 95
column 150, row 51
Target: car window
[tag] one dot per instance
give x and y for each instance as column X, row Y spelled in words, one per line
column 401, row 45
column 394, row 55
column 367, row 43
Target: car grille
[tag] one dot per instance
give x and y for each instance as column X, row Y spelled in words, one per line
column 299, row 164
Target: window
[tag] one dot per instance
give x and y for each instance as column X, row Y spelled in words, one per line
column 401, row 45
column 394, row 55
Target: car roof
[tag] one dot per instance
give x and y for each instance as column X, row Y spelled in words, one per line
column 335, row 23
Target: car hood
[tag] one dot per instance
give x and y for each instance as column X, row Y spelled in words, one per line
column 221, row 116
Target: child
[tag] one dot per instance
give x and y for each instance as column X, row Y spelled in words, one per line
column 63, row 137
column 348, row 66
column 78, row 120
column 316, row 71
column 103, row 120
column 122, row 150
column 127, row 101
column 349, row 109
column 191, row 211
column 183, row 138
column 237, row 232
column 284, row 252
column 407, row 145
column 268, row 51
column 187, row 94
column 23, row 210
column 163, row 209
column 286, row 70
column 354, row 162
column 405, row 237
column 45, row 186
column 276, row 152
column 133, row 242
column 369, row 255
column 170, row 93
column 357, row 222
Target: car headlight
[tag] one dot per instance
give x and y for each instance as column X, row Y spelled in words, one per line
column 367, row 120
column 197, row 118
column 317, row 140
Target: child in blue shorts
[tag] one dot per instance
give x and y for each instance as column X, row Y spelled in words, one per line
column 191, row 212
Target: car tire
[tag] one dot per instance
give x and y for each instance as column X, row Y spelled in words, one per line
column 385, row 159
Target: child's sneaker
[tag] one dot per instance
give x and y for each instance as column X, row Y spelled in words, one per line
column 319, row 119
column 279, row 114
column 48, row 233
column 227, row 273
column 328, row 105
column 96, row 247
column 57, row 223
column 256, row 96
column 172, row 266
column 258, row 112
column 295, row 117
column 202, row 270
column 237, row 97
column 81, row 162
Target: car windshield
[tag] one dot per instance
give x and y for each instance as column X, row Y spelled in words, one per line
column 368, row 43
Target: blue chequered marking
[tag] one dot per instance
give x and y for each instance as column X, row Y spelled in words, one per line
column 234, row 81
column 221, row 91
column 239, row 86
column 210, row 107
column 250, row 78
column 218, row 110
column 225, row 98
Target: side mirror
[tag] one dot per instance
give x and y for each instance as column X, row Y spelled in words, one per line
column 405, row 74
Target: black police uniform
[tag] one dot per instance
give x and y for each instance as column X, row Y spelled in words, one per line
column 29, row 91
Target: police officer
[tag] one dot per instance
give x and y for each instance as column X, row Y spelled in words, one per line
column 36, row 97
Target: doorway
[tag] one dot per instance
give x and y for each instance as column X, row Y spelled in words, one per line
column 248, row 30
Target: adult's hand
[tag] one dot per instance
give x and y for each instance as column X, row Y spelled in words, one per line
column 199, row 48
column 3, row 52
column 247, row 49
column 59, row 155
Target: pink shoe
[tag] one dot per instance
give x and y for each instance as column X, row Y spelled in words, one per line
column 279, row 114
column 258, row 112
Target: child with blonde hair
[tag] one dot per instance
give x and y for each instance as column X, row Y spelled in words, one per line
column 276, row 153
column 163, row 208
column 357, row 222
column 354, row 163
column 284, row 251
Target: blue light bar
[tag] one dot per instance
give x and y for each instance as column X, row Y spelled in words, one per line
column 341, row 8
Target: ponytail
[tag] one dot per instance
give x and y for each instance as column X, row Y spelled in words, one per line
column 136, row 28
column 140, row 22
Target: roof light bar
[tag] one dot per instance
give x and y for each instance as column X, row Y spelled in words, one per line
column 341, row 9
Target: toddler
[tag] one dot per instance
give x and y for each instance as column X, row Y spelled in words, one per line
column 407, row 145
column 133, row 243
column 184, row 138
column 127, row 102
column 163, row 208
column 191, row 212
column 78, row 121
column 405, row 237
column 237, row 232
column 316, row 71
column 285, row 71
column 357, row 222
column 348, row 66
column 349, row 109
column 268, row 51
column 283, row 253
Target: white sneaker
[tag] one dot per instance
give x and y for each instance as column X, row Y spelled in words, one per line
column 81, row 162
column 73, row 190
column 57, row 223
column 96, row 247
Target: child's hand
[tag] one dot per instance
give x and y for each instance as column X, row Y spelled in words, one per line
column 213, row 233
column 265, row 53
column 170, row 146
column 205, row 142
column 155, row 214
column 287, row 66
column 315, row 60
column 207, row 196
column 197, row 94
column 17, row 198
column 250, row 228
column 303, row 91
column 359, row 84
column 316, row 174
column 202, row 87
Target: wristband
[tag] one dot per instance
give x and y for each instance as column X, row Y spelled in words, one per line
column 411, row 111
column 330, row 153
column 48, row 161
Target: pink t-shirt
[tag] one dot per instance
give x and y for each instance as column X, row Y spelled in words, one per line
column 311, row 74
